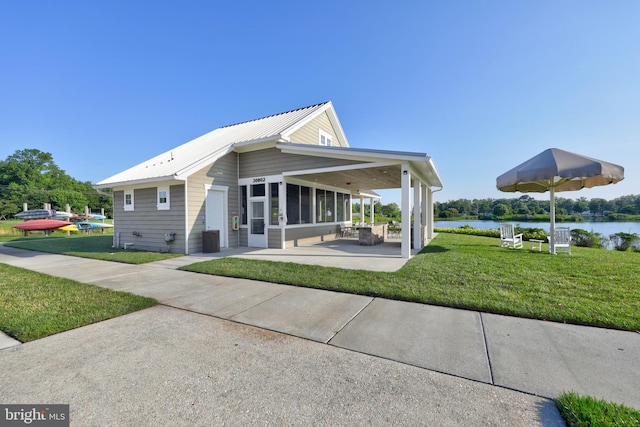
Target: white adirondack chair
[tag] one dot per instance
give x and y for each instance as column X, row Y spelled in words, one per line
column 508, row 236
column 562, row 240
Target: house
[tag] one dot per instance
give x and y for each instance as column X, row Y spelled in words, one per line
column 274, row 182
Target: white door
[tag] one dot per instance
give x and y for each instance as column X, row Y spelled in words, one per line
column 257, row 232
column 216, row 214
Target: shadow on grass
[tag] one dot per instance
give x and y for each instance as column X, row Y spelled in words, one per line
column 434, row 249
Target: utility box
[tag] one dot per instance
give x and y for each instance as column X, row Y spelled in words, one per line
column 211, row 241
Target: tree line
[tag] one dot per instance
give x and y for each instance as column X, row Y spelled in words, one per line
column 528, row 206
column 31, row 176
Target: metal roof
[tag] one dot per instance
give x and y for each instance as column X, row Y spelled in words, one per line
column 185, row 159
column 182, row 161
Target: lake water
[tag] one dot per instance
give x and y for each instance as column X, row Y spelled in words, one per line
column 604, row 228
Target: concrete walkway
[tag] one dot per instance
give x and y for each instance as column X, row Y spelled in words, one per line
column 518, row 355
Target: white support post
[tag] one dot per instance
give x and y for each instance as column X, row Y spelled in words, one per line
column 371, row 208
column 429, row 209
column 424, row 204
column 361, row 210
column 417, row 224
column 405, row 180
column 282, row 207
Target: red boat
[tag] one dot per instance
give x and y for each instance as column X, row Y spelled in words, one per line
column 41, row 224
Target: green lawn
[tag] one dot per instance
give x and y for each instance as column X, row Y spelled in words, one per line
column 585, row 411
column 591, row 287
column 34, row 305
column 97, row 247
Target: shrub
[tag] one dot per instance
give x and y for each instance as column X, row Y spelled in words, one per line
column 530, row 233
column 588, row 239
column 623, row 241
column 527, row 233
column 467, row 229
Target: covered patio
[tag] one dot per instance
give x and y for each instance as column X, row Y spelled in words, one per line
column 367, row 170
column 344, row 253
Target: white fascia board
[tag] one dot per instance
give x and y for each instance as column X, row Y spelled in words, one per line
column 143, row 183
column 339, row 168
column 368, row 194
column 352, row 153
column 427, row 173
column 200, row 163
column 297, row 125
column 333, row 118
column 258, row 144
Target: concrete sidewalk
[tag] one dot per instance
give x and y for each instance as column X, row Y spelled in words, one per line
column 535, row 357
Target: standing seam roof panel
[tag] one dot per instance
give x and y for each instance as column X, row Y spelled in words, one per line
column 191, row 153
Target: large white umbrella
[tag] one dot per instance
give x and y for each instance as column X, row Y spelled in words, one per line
column 556, row 170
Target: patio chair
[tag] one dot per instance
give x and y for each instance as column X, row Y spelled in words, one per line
column 509, row 238
column 562, row 240
column 346, row 231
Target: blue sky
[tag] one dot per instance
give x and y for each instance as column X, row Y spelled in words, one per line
column 479, row 86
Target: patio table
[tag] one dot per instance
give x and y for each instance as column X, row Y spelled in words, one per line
column 536, row 244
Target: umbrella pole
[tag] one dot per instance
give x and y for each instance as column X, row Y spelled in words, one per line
column 552, row 213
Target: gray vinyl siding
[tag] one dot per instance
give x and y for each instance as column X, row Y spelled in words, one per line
column 147, row 222
column 308, row 134
column 221, row 173
column 313, row 233
column 244, row 237
column 273, row 162
column 274, row 238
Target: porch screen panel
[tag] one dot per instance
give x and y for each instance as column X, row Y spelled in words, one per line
column 243, row 205
column 273, row 203
column 293, row 204
column 325, row 205
column 340, row 207
column 306, row 205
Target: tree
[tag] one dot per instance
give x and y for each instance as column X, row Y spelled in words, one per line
column 581, row 205
column 391, row 210
column 596, row 206
column 501, row 210
column 31, row 176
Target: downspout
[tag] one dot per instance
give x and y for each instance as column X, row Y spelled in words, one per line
column 431, row 213
column 186, row 216
column 239, row 202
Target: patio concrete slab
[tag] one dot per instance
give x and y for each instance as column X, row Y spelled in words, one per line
column 436, row 338
column 308, row 313
column 343, row 253
column 549, row 358
column 228, row 299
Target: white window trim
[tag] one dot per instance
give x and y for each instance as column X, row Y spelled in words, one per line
column 124, row 201
column 166, row 205
column 327, row 138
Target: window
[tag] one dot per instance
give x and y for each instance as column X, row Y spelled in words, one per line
column 298, row 204
column 274, row 203
column 257, row 190
column 324, row 138
column 243, row 203
column 325, row 205
column 340, row 206
column 293, row 204
column 128, row 200
column 163, row 198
